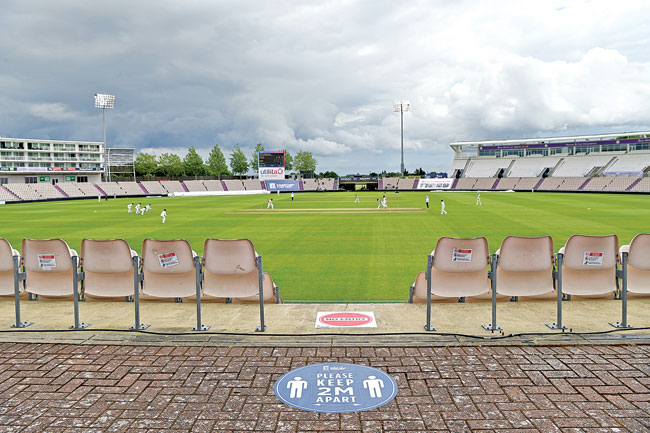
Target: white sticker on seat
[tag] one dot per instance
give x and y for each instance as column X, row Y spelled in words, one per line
column 461, row 255
column 593, row 258
column 46, row 261
column 167, row 259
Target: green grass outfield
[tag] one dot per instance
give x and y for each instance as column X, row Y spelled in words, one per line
column 323, row 247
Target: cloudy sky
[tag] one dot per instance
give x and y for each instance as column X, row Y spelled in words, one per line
column 321, row 76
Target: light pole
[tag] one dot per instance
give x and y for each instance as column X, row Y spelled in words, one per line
column 400, row 107
column 104, row 101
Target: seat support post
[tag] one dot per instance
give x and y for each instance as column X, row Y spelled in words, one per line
column 75, row 291
column 17, row 277
column 493, row 285
column 137, row 326
column 623, row 323
column 199, row 277
column 260, row 274
column 429, row 326
column 558, row 324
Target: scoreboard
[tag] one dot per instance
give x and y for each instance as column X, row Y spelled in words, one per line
column 271, row 159
column 271, row 165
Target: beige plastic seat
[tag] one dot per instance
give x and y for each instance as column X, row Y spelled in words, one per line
column 7, row 253
column 638, row 265
column 48, row 268
column 108, row 268
column 460, row 269
column 168, row 269
column 525, row 268
column 230, row 269
column 589, row 266
column 271, row 293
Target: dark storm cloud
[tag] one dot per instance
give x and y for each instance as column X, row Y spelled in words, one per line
column 322, row 76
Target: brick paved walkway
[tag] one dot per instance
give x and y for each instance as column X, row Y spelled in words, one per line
column 67, row 388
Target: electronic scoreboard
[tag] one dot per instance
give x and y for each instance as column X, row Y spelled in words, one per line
column 271, row 165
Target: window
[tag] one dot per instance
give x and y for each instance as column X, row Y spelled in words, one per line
column 537, row 152
column 513, row 152
column 4, row 180
column 615, row 147
column 640, row 146
column 31, row 179
column 82, row 178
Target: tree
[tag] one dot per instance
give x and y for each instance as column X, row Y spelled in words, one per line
column 193, row 163
column 170, row 164
column 217, row 163
column 288, row 161
column 254, row 160
column 238, row 162
column 145, row 164
column 304, row 162
column 329, row 175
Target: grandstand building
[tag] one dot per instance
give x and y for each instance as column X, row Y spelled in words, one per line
column 50, row 161
column 607, row 162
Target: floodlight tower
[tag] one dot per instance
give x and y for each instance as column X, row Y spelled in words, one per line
column 104, row 101
column 400, row 107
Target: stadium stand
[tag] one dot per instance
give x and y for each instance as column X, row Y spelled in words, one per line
column 108, row 269
column 168, row 269
column 72, row 190
column 527, row 183
column 457, row 165
column 130, row 188
column 23, row 190
column 507, row 183
column 234, row 185
column 327, row 184
column 389, row 183
column 111, row 188
column 7, row 195
column 484, row 183
column 153, row 187
column 196, row 185
column 643, row 185
column 487, row 167
column 629, row 164
column 49, row 267
column 619, row 183
column 171, row 186
column 580, row 165
column 252, row 185
column 572, row 183
column 47, row 191
column 402, row 184
column 532, row 166
column 466, row 183
column 638, row 265
column 598, row 183
column 309, row 184
column 213, row 185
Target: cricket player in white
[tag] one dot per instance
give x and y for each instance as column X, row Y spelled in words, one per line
column 426, row 200
column 356, row 198
column 383, row 203
column 143, row 210
column 148, row 208
column 442, row 208
column 478, row 199
column 129, row 206
column 99, row 198
column 137, row 208
column 269, row 205
column 163, row 215
column 291, row 195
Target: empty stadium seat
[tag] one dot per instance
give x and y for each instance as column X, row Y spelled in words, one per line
column 49, row 269
column 168, row 269
column 638, row 265
column 7, row 254
column 589, row 266
column 459, row 269
column 108, row 268
column 525, row 268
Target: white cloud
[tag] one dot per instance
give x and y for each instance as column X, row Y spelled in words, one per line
column 321, row 76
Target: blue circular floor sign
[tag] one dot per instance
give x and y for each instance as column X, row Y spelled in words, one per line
column 336, row 388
